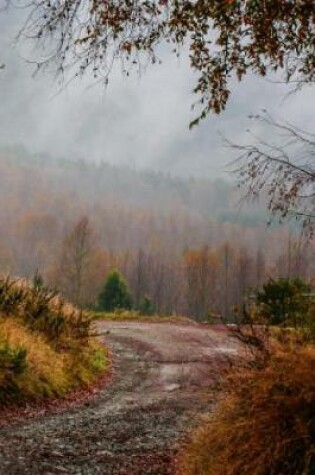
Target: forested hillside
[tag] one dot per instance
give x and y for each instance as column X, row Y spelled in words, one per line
column 185, row 243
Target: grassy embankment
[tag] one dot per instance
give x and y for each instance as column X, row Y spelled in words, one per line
column 45, row 349
column 265, row 423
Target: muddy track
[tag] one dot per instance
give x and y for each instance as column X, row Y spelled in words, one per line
column 160, row 387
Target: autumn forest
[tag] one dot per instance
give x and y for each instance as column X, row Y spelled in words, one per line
column 188, row 244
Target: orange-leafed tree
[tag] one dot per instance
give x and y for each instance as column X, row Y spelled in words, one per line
column 73, row 267
column 201, row 268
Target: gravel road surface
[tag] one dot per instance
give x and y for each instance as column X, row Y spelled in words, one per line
column 160, row 387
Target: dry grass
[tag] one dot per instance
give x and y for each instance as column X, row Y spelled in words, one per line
column 265, row 424
column 45, row 349
column 45, row 368
column 133, row 316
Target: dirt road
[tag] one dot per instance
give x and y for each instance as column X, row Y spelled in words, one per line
column 162, row 375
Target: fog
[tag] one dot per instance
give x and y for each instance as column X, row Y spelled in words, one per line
column 140, row 121
column 121, row 165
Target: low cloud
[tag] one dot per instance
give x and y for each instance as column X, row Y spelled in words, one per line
column 140, row 121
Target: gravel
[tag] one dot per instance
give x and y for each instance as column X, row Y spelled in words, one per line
column 163, row 375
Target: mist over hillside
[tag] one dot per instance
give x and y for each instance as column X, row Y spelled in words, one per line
column 172, row 238
column 93, row 183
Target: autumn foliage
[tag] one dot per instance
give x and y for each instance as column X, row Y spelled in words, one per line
column 176, row 241
column 224, row 39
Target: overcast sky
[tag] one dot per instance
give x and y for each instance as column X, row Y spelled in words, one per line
column 142, row 122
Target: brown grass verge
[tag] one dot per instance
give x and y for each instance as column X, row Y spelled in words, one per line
column 264, row 425
column 130, row 316
column 45, row 348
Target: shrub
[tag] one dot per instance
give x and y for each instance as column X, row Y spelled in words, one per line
column 12, row 359
column 146, row 306
column 285, row 301
column 12, row 365
column 265, row 423
column 42, row 310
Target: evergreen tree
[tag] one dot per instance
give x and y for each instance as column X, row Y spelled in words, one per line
column 285, row 301
column 146, row 306
column 115, row 294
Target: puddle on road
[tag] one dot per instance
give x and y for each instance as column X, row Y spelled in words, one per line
column 172, row 387
column 175, row 376
column 223, row 349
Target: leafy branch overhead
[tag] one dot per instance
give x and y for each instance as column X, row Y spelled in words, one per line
column 224, row 38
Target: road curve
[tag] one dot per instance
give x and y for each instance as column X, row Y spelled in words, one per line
column 162, row 376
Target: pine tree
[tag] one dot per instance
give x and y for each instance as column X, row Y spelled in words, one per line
column 285, row 301
column 115, row 294
column 146, row 306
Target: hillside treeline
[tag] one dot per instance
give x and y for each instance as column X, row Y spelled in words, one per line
column 184, row 243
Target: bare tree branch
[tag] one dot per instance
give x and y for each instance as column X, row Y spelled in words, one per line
column 283, row 174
